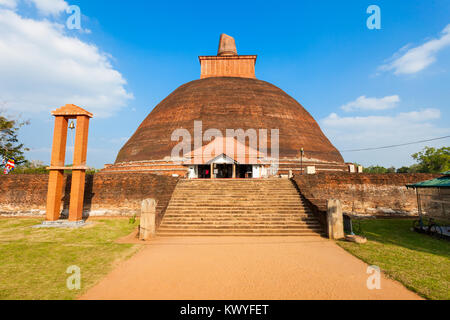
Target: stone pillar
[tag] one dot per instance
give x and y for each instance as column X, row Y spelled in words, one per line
column 79, row 169
column 56, row 177
column 335, row 220
column 147, row 227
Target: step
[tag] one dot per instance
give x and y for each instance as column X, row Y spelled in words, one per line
column 230, row 234
column 238, row 222
column 251, row 191
column 238, row 207
column 239, row 210
column 163, row 227
column 253, row 188
column 205, row 196
column 237, row 214
column 238, row 218
column 276, row 201
column 240, row 231
column 249, row 206
column 314, row 227
column 170, row 215
column 230, row 212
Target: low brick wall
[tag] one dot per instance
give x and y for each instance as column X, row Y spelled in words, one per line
column 121, row 194
column 115, row 194
column 363, row 194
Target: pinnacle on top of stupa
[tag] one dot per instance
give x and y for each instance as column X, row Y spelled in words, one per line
column 227, row 46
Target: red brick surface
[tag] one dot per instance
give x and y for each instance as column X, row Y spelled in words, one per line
column 122, row 193
column 229, row 103
column 105, row 194
column 373, row 194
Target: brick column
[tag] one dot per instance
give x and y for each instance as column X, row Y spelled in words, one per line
column 56, row 177
column 79, row 169
column 57, row 167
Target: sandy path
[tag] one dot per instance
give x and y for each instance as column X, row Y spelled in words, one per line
column 243, row 268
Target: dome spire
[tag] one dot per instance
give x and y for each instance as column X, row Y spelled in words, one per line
column 227, row 63
column 227, row 46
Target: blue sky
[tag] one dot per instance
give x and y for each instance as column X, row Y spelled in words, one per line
column 366, row 88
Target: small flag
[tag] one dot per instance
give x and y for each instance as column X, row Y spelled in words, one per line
column 10, row 166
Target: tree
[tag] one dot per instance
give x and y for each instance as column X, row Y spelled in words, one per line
column 31, row 167
column 403, row 170
column 376, row 169
column 10, row 147
column 432, row 160
column 390, row 170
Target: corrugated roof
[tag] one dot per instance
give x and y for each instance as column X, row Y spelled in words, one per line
column 442, row 182
column 227, row 146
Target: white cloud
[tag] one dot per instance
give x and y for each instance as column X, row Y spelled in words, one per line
column 45, row 7
column 376, row 122
column 364, row 103
column 42, row 69
column 11, row 4
column 349, row 133
column 418, row 58
column 50, row 7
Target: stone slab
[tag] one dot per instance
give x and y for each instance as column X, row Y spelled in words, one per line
column 62, row 224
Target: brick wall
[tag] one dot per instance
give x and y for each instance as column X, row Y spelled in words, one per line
column 120, row 194
column 115, row 194
column 368, row 194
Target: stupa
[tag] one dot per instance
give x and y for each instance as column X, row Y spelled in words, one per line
column 228, row 96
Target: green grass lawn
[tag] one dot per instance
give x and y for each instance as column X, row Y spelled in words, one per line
column 33, row 262
column 420, row 262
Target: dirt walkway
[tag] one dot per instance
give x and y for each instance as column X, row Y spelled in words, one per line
column 243, row 268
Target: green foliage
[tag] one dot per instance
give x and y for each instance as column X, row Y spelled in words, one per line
column 31, row 167
column 403, row 170
column 432, row 160
column 133, row 219
column 379, row 169
column 10, row 147
column 38, row 167
column 90, row 171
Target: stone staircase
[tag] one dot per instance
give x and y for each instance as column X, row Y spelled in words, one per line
column 269, row 207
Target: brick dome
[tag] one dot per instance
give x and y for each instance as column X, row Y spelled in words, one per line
column 229, row 103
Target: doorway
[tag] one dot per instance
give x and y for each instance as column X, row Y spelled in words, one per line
column 224, row 171
column 204, row 172
column 244, row 171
